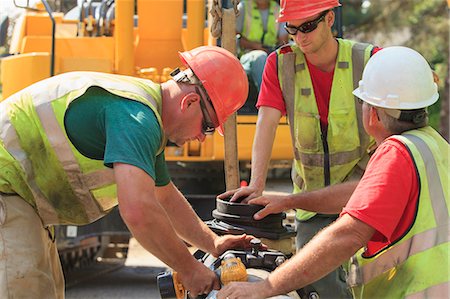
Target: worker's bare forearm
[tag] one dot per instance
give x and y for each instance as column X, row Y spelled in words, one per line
column 184, row 219
column 328, row 250
column 266, row 127
column 329, row 200
column 147, row 220
column 156, row 235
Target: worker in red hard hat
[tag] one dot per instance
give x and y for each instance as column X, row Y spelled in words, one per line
column 311, row 82
column 75, row 145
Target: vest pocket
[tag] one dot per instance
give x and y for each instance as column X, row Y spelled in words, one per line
column 307, row 132
column 342, row 131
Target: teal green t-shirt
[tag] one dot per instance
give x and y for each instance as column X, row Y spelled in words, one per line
column 107, row 127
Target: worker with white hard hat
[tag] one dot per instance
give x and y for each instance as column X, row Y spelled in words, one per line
column 311, row 82
column 395, row 227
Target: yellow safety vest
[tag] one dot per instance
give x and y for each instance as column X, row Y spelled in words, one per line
column 319, row 160
column 39, row 163
column 417, row 265
column 253, row 25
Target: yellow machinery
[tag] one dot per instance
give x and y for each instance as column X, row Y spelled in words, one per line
column 144, row 44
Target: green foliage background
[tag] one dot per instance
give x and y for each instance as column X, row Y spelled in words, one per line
column 420, row 24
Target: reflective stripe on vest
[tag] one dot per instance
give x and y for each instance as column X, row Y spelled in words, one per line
column 416, row 266
column 253, row 29
column 347, row 142
column 61, row 184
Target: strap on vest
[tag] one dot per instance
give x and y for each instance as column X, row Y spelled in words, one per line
column 68, row 161
column 11, row 142
column 434, row 183
column 343, row 64
column 420, row 242
column 396, row 255
column 299, row 67
column 358, row 54
column 288, row 89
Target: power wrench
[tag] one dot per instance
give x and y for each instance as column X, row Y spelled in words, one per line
column 231, row 269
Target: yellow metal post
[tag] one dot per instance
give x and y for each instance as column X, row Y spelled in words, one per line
column 123, row 32
column 195, row 23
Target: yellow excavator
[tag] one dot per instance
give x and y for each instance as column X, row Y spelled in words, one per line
column 137, row 38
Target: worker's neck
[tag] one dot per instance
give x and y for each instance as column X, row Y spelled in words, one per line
column 170, row 94
column 382, row 136
column 325, row 58
column 376, row 128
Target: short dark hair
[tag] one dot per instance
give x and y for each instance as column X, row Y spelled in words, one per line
column 408, row 120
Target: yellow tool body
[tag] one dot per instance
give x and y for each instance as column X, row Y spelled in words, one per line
column 231, row 269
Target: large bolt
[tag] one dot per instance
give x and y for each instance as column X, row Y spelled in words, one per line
column 313, row 295
column 279, row 260
column 256, row 245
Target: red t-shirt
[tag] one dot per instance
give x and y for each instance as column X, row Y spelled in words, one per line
column 386, row 197
column 270, row 94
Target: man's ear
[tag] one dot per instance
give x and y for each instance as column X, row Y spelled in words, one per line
column 373, row 116
column 330, row 18
column 188, row 99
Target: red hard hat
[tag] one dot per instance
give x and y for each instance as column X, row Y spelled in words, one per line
column 302, row 9
column 223, row 77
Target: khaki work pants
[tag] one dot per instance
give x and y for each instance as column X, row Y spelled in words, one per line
column 29, row 261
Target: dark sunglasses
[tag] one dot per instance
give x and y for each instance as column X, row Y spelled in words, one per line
column 307, row 26
column 208, row 127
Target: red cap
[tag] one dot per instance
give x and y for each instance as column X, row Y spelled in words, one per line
column 302, row 9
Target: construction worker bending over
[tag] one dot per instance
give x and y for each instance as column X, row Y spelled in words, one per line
column 58, row 135
column 395, row 226
column 312, row 82
column 258, row 35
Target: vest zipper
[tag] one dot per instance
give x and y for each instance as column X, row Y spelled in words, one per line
column 326, row 156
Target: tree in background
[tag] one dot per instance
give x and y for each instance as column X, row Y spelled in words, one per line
column 420, row 24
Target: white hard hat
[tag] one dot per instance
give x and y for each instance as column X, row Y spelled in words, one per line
column 397, row 78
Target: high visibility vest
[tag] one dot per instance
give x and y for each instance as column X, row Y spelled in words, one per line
column 320, row 160
column 417, row 265
column 39, row 162
column 253, row 29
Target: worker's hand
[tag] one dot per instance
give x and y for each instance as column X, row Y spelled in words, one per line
column 243, row 194
column 244, row 290
column 199, row 280
column 226, row 242
column 273, row 204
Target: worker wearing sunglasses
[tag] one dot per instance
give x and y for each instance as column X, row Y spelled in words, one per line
column 306, row 27
column 311, row 81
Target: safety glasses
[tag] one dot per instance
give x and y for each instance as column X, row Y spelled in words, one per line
column 307, row 26
column 208, row 127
